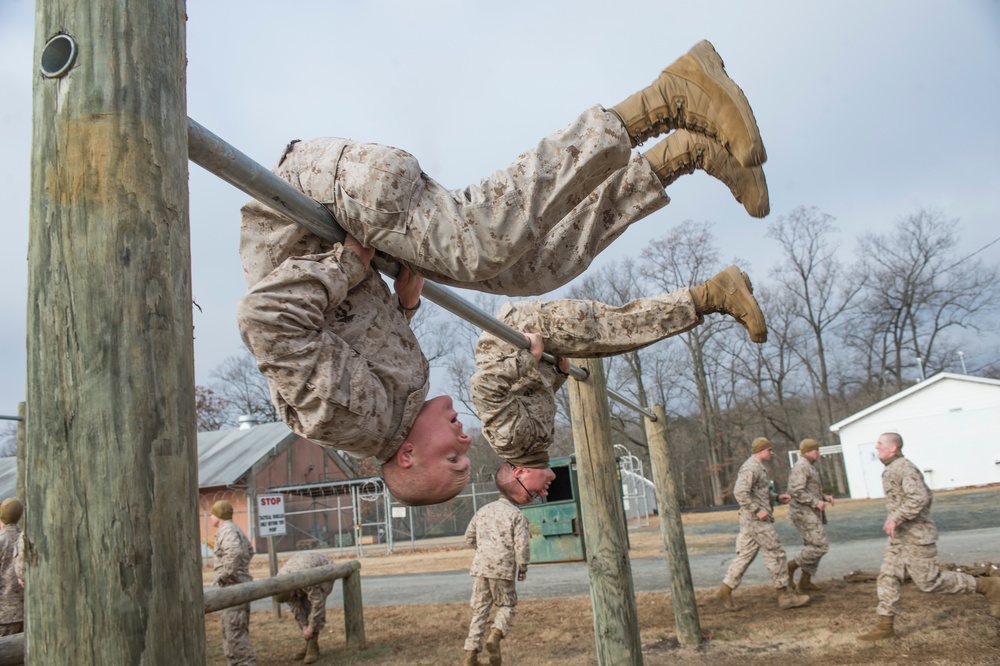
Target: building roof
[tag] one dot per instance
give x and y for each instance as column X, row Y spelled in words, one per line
column 224, row 456
column 839, row 425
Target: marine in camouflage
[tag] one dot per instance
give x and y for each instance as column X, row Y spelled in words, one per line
column 308, row 605
column 499, row 533
column 752, row 491
column 232, row 565
column 806, row 490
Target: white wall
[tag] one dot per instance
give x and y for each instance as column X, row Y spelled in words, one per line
column 950, row 429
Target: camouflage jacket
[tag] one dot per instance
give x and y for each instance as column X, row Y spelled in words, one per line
column 344, row 367
column 752, row 490
column 11, row 592
column 232, row 555
column 309, row 604
column 805, row 487
column 908, row 500
column 499, row 533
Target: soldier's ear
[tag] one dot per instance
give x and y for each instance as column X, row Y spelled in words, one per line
column 405, row 455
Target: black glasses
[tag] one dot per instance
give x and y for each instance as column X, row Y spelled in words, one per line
column 531, row 495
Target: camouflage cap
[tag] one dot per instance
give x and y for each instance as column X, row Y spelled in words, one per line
column 222, row 509
column 11, row 511
column 760, row 444
column 807, row 445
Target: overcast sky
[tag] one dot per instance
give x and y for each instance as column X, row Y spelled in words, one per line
column 869, row 111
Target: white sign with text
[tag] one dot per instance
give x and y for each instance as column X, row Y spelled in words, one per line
column 271, row 515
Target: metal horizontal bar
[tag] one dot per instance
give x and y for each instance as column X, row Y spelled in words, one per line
column 220, row 158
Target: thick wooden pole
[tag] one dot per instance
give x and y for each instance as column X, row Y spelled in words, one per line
column 612, row 593
column 114, row 573
column 672, row 530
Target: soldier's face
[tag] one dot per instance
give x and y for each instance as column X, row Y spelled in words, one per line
column 441, row 446
column 535, row 481
column 885, row 448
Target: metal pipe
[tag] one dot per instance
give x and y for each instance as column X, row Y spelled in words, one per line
column 220, row 158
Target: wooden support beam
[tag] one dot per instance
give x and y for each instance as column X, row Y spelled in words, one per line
column 113, row 566
column 672, row 530
column 612, row 592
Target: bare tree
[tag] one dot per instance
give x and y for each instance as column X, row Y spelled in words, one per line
column 818, row 292
column 8, row 439
column 243, row 389
column 920, row 296
column 211, row 410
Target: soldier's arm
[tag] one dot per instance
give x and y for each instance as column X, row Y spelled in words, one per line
column 522, row 545
column 916, row 496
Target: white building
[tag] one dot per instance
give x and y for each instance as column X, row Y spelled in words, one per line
column 950, row 426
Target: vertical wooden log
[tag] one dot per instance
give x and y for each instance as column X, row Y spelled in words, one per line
column 111, row 474
column 272, row 565
column 354, row 610
column 22, row 433
column 612, row 592
column 672, row 531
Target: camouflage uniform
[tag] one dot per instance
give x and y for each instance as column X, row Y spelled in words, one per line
column 753, row 494
column 913, row 547
column 526, row 229
column 499, row 533
column 309, row 604
column 515, row 396
column 232, row 565
column 806, row 491
column 11, row 592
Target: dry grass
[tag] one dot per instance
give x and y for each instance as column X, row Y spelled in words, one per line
column 934, row 629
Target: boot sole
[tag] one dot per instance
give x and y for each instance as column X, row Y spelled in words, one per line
column 761, row 336
column 711, row 62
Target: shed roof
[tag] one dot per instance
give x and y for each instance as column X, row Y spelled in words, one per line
column 941, row 376
column 226, row 455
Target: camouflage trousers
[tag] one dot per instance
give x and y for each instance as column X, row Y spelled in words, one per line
column 236, row 644
column 921, row 563
column 814, row 540
column 11, row 628
column 486, row 593
column 526, row 229
column 758, row 536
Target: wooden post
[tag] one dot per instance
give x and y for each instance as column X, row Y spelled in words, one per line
column 612, row 593
column 354, row 610
column 22, row 433
column 272, row 565
column 114, row 574
column 672, row 530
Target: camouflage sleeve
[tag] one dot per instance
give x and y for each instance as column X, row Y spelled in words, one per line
column 798, row 485
column 916, row 496
column 227, row 549
column 470, row 532
column 743, row 490
column 317, row 607
column 515, row 400
column 282, row 322
column 522, row 543
column 19, row 549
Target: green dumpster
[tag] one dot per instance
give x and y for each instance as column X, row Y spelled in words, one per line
column 554, row 521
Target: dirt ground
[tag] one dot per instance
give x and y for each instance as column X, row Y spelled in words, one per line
column 933, row 629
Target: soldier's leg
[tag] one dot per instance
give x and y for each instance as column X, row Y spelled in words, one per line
column 921, row 562
column 889, row 583
column 746, row 551
column 236, row 645
column 481, row 603
column 505, row 597
column 814, row 540
column 773, row 553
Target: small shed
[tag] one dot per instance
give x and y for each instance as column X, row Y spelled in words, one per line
column 950, row 425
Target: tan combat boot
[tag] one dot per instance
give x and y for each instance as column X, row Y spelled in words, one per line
column 806, row 584
column 682, row 152
column 471, row 658
column 792, row 566
column 312, row 650
column 730, row 292
column 695, row 93
column 787, row 599
column 301, row 654
column 725, row 595
column 493, row 647
column 883, row 631
column 989, row 587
